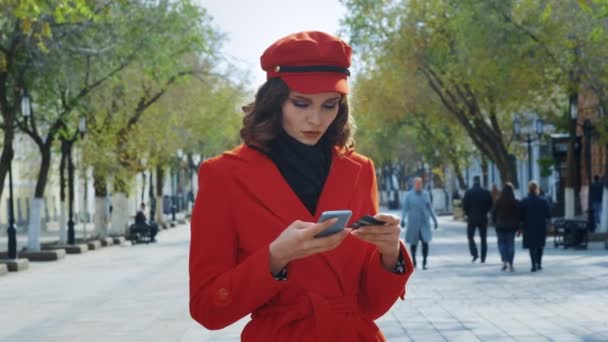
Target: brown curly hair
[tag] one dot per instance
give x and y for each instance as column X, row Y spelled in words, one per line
column 263, row 118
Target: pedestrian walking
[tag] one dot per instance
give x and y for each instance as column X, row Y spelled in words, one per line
column 505, row 216
column 254, row 248
column 418, row 212
column 597, row 192
column 476, row 204
column 535, row 214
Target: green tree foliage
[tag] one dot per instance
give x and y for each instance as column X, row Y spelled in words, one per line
column 24, row 28
column 481, row 60
column 400, row 121
column 183, row 51
column 113, row 63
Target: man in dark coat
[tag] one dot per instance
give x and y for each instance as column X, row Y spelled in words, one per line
column 535, row 213
column 597, row 192
column 476, row 204
column 142, row 223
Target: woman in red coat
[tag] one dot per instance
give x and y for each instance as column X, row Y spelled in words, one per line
column 253, row 247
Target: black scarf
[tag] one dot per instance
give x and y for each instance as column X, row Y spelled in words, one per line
column 304, row 167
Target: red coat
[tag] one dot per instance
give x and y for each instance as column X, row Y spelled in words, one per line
column 243, row 204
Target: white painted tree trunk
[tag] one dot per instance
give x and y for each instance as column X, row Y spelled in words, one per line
column 569, row 204
column 63, row 232
column 33, row 238
column 159, row 210
column 604, row 219
column 120, row 214
column 101, row 217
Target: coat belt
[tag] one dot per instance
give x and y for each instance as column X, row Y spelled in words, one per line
column 322, row 310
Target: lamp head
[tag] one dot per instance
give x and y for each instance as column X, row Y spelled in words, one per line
column 26, row 109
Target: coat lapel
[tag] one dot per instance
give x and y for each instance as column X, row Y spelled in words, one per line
column 337, row 194
column 262, row 179
column 340, row 185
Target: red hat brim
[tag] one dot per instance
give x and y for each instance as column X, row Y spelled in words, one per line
column 313, row 83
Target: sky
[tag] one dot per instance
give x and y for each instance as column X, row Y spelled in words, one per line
column 253, row 25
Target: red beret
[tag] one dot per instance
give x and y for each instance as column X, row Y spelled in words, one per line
column 309, row 62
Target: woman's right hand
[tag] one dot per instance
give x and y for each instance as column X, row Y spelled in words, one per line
column 298, row 241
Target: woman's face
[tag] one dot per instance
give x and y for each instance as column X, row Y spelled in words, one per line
column 306, row 117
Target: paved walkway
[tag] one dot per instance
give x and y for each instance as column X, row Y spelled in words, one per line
column 140, row 293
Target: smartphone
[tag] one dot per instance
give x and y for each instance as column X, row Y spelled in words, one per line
column 343, row 217
column 367, row 220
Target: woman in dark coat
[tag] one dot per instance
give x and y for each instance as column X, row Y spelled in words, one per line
column 535, row 213
column 505, row 216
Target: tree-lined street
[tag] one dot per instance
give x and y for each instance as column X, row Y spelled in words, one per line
column 140, row 293
column 108, row 105
column 102, row 92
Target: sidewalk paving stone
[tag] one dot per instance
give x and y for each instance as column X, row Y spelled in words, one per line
column 140, row 293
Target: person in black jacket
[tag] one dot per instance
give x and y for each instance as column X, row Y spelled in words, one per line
column 142, row 223
column 505, row 216
column 476, row 204
column 535, row 214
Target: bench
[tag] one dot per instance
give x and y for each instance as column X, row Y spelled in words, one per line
column 599, row 237
column 139, row 233
column 570, row 233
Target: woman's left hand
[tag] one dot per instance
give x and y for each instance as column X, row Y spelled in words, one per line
column 385, row 238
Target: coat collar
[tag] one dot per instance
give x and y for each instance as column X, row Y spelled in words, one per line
column 259, row 175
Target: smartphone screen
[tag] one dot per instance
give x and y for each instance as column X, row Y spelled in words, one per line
column 343, row 217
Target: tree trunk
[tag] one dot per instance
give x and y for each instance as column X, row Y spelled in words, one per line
column 38, row 202
column 569, row 194
column 160, row 176
column 481, row 125
column 102, row 214
column 484, row 172
column 33, row 240
column 7, row 112
column 45, row 166
column 458, row 171
column 604, row 215
column 121, row 210
column 120, row 214
column 85, row 202
column 71, row 218
column 507, row 170
column 7, row 155
column 63, row 237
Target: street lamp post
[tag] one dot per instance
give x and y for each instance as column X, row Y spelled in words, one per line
column 144, row 163
column 174, row 183
column 11, row 231
column 587, row 130
column 529, row 139
column 71, row 231
column 570, row 196
column 152, row 197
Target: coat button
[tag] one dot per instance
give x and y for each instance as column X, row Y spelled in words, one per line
column 222, row 297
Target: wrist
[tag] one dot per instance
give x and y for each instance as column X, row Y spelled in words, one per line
column 390, row 252
column 389, row 262
column 389, row 259
column 277, row 260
